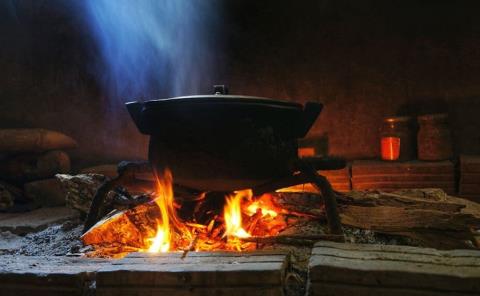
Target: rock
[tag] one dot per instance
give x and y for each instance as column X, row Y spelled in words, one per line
column 48, row 193
column 29, row 167
column 109, row 170
column 33, row 140
column 80, row 189
column 35, row 220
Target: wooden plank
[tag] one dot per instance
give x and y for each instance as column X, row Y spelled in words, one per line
column 366, row 167
column 339, row 289
column 200, row 273
column 395, row 267
column 46, row 275
column 396, row 249
column 244, row 255
column 189, row 291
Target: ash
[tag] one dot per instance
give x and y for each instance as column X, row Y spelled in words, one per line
column 56, row 240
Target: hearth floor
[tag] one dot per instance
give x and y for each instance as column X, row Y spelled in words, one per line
column 333, row 269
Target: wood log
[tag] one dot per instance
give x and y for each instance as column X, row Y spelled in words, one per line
column 445, row 223
column 48, row 193
column 80, row 190
column 109, row 170
column 33, row 140
column 30, row 167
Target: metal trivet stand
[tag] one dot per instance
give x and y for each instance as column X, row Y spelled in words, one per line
column 305, row 172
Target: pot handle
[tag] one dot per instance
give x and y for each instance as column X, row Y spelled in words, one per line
column 135, row 110
column 310, row 114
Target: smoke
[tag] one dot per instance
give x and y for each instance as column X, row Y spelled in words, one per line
column 149, row 48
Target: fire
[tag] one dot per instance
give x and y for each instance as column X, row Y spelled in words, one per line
column 169, row 220
column 156, row 226
column 233, row 214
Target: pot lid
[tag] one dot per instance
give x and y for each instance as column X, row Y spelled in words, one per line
column 220, row 96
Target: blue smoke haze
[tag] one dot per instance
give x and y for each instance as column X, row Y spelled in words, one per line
column 150, row 47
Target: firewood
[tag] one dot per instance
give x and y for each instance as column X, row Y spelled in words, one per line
column 444, row 223
column 80, row 189
column 33, row 140
column 47, row 192
column 109, row 170
column 30, row 167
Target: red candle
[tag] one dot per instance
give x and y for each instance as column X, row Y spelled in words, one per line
column 390, row 148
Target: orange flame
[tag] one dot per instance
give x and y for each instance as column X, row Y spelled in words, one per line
column 169, row 220
column 264, row 205
column 232, row 214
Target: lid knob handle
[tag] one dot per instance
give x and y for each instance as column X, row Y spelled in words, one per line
column 220, row 90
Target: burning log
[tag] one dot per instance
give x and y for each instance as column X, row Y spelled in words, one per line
column 29, row 167
column 33, row 140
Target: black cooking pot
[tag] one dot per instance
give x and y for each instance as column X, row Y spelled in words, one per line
column 223, row 142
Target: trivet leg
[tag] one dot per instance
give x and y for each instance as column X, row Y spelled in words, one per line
column 322, row 184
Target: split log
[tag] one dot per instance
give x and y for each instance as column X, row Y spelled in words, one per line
column 33, row 140
column 126, row 229
column 30, row 167
column 49, row 192
column 109, row 170
column 80, row 190
column 442, row 221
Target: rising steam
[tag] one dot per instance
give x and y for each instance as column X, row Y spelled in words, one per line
column 147, row 48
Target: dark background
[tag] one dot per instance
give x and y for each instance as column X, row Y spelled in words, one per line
column 363, row 59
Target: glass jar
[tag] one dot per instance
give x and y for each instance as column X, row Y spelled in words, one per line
column 434, row 137
column 397, row 139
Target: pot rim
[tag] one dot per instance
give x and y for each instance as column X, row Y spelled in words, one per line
column 224, row 99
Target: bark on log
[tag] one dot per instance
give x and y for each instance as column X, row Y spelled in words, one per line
column 80, row 190
column 443, row 222
column 49, row 192
column 30, row 167
column 109, row 170
column 33, row 140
